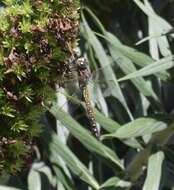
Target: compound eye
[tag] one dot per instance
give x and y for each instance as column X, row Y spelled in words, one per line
column 82, row 63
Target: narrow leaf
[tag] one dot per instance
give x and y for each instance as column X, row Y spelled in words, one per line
column 58, row 149
column 115, row 182
column 90, row 142
column 137, row 128
column 8, row 188
column 127, row 67
column 41, row 167
column 34, row 180
column 107, row 123
column 139, row 58
column 104, row 62
column 155, row 162
column 161, row 65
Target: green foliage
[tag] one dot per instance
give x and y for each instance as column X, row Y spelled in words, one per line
column 36, row 39
column 139, row 131
column 134, row 106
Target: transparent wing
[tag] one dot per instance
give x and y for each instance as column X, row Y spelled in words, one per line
column 97, row 90
column 62, row 103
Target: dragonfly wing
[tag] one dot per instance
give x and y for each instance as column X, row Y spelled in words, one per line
column 100, row 100
column 62, row 131
column 96, row 85
column 68, row 99
column 62, row 100
column 98, row 78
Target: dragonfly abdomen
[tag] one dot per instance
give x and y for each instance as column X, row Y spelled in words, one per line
column 90, row 112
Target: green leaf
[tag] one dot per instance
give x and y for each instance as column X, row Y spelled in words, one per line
column 109, row 75
column 63, row 179
column 42, row 168
column 111, row 126
column 62, row 174
column 115, row 182
column 107, row 123
column 19, row 126
column 34, row 180
column 58, row 149
column 7, row 111
column 150, row 13
column 135, row 56
column 155, row 162
column 25, row 25
column 135, row 167
column 8, row 188
column 133, row 143
column 139, row 58
column 90, row 142
column 157, row 27
column 137, row 128
column 157, row 66
column 127, row 67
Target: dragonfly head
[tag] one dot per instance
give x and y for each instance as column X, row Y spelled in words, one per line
column 82, row 63
column 83, row 72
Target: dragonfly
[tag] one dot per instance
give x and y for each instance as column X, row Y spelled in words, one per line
column 84, row 76
column 81, row 67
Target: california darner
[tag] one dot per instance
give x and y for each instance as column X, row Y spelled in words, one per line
column 84, row 75
column 78, row 69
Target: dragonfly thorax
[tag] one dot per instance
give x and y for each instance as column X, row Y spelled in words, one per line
column 83, row 71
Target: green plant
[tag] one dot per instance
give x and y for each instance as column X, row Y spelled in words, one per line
column 135, row 150
column 36, row 40
column 135, row 141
